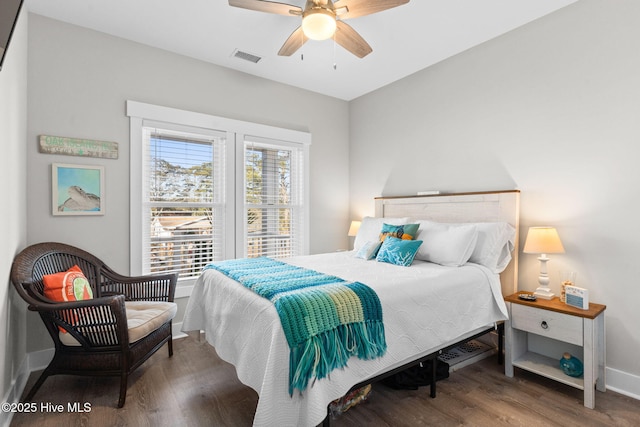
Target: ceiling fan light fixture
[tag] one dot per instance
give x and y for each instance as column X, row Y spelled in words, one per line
column 319, row 24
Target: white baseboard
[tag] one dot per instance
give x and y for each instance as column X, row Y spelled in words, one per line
column 39, row 359
column 176, row 331
column 623, row 383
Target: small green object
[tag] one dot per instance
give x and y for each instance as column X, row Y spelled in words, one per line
column 80, row 287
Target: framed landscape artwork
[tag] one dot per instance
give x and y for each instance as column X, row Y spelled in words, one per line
column 77, row 190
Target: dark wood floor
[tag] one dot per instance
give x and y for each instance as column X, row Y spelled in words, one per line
column 196, row 388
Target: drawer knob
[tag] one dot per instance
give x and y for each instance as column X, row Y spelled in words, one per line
column 544, row 325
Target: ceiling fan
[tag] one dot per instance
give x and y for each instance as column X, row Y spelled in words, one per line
column 323, row 19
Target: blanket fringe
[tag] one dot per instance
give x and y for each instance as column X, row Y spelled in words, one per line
column 329, row 350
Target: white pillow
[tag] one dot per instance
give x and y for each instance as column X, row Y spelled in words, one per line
column 370, row 229
column 446, row 244
column 369, row 250
column 494, row 246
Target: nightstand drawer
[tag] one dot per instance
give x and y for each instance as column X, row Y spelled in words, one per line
column 551, row 324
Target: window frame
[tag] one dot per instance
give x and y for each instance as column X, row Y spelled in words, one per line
column 141, row 114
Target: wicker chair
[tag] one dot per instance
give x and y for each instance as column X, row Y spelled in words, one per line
column 97, row 341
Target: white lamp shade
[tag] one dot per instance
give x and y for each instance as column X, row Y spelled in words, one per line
column 319, row 24
column 353, row 229
column 543, row 240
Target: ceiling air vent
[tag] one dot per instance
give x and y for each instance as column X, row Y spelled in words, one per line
column 246, row 56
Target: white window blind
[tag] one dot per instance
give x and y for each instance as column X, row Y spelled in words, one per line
column 273, row 199
column 183, row 200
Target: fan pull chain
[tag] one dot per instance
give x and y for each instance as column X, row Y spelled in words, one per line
column 335, row 64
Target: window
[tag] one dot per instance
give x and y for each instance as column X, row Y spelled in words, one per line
column 204, row 189
column 273, row 197
column 183, row 200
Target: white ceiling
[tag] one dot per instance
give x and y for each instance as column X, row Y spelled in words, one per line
column 405, row 39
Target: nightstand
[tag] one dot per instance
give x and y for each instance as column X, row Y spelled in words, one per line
column 538, row 333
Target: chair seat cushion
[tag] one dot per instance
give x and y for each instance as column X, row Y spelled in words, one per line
column 143, row 317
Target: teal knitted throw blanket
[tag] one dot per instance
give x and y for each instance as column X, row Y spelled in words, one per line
column 326, row 319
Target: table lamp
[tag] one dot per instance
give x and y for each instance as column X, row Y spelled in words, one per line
column 543, row 241
column 353, row 229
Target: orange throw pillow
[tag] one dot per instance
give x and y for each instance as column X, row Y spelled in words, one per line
column 70, row 285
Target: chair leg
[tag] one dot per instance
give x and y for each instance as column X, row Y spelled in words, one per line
column 37, row 385
column 123, row 389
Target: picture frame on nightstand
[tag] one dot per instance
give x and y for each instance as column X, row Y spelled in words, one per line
column 577, row 297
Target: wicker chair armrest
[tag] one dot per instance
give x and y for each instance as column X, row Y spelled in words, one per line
column 154, row 287
column 98, row 322
column 32, row 294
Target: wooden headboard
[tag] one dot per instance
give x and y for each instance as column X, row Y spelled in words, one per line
column 490, row 206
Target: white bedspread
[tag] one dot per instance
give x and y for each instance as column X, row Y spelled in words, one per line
column 425, row 307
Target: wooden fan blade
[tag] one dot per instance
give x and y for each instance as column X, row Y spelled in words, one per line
column 356, row 8
column 349, row 39
column 267, row 6
column 293, row 43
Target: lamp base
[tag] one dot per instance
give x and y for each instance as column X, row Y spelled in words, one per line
column 544, row 293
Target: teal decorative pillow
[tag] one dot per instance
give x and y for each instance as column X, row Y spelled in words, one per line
column 369, row 250
column 403, row 232
column 397, row 251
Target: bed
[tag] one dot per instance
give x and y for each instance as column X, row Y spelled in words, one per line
column 439, row 305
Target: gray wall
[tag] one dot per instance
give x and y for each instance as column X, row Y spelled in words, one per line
column 13, row 227
column 553, row 109
column 79, row 81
